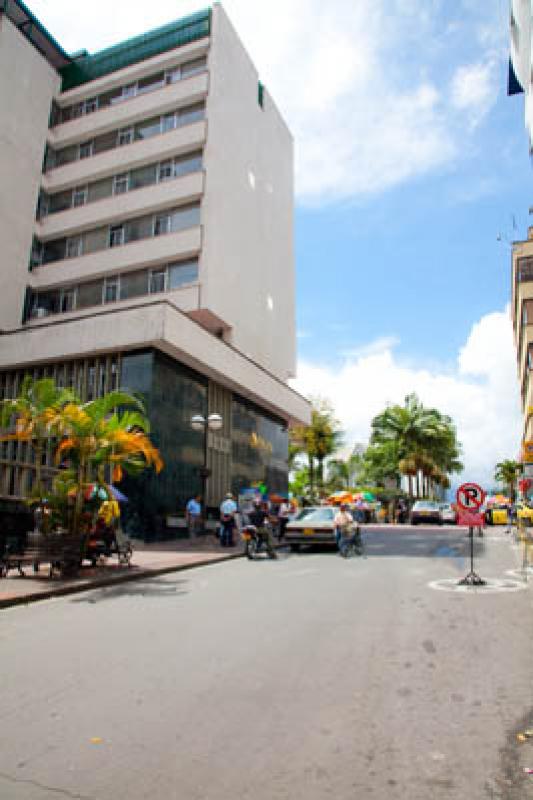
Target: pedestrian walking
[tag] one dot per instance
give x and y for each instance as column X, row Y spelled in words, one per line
column 228, row 510
column 193, row 515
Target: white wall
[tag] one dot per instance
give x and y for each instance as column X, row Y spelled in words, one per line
column 27, row 86
column 247, row 268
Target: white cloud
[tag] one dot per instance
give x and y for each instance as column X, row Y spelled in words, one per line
column 355, row 81
column 472, row 90
column 480, row 393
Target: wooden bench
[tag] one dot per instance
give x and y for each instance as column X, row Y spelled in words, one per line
column 62, row 551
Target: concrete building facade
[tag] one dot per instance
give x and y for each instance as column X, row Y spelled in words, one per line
column 147, row 243
column 522, row 317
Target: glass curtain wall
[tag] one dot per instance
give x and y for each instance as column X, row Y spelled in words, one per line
column 173, row 394
column 260, row 449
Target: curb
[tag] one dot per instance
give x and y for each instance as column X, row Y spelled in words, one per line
column 86, row 586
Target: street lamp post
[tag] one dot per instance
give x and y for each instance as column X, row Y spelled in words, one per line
column 213, row 422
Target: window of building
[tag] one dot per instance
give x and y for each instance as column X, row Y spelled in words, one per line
column 91, row 104
column 162, row 224
column 53, row 251
column 172, row 75
column 116, row 235
column 187, row 164
column 68, row 300
column 168, row 122
column 86, row 150
column 151, row 83
column 129, row 91
column 111, row 290
column 185, row 217
column 73, row 247
column 525, row 270
column 193, row 67
column 191, row 114
column 181, row 273
column 89, row 294
column 148, row 128
column 166, row 170
column 105, row 142
column 133, row 284
column 157, row 280
column 144, row 176
column 125, row 136
column 100, row 190
column 79, row 196
column 121, row 183
column 140, row 228
column 60, row 201
column 74, row 112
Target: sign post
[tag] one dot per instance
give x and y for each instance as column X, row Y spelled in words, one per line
column 470, row 497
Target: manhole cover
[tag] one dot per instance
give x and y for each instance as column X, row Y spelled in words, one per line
column 492, row 586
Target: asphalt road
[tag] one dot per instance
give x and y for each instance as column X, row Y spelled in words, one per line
column 307, row 677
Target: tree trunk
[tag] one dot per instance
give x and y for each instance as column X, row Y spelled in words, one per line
column 320, row 474
column 311, row 474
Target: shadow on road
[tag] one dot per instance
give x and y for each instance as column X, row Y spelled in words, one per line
column 144, row 587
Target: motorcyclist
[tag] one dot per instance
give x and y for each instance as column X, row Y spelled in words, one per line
column 259, row 518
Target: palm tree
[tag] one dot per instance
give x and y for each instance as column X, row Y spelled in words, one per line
column 425, row 440
column 507, row 472
column 96, row 434
column 323, row 437
column 317, row 441
column 33, row 415
column 408, row 466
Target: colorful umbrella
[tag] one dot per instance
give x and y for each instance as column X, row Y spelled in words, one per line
column 340, row 497
column 368, row 496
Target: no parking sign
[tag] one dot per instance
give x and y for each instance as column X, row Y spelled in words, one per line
column 470, row 497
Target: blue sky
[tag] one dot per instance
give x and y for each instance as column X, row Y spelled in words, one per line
column 410, row 162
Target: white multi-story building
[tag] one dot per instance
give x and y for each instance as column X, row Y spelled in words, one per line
column 520, row 65
column 146, row 241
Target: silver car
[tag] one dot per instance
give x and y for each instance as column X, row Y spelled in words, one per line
column 313, row 525
column 449, row 517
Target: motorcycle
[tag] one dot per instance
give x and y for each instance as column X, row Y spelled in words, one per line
column 256, row 542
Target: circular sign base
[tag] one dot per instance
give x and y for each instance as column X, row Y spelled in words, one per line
column 491, row 586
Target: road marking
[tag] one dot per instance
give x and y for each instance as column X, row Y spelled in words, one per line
column 493, row 586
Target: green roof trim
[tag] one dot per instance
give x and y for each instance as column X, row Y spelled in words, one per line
column 182, row 31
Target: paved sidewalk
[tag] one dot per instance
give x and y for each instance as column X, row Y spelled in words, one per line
column 148, row 559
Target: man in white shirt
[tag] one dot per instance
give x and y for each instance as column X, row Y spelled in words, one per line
column 228, row 509
column 343, row 524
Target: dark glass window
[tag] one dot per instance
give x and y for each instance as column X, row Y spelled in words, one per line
column 145, row 176
column 259, row 448
column 133, row 284
column 90, row 294
column 138, row 229
column 59, row 202
column 107, row 141
column 54, row 251
column 150, row 83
